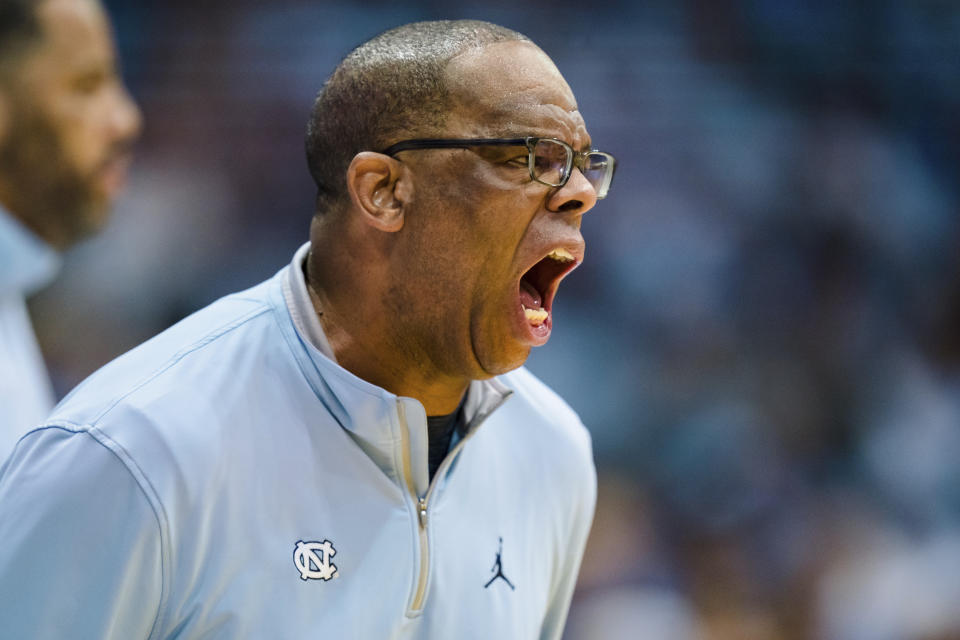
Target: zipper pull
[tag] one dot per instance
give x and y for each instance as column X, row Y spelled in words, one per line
column 422, row 502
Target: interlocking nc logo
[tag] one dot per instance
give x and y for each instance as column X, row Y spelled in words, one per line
column 313, row 560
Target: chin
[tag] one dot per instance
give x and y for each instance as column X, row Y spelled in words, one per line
column 85, row 222
column 97, row 217
column 504, row 363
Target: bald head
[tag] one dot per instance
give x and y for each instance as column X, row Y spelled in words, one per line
column 510, row 87
column 390, row 87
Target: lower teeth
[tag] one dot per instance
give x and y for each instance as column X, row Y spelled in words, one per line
column 535, row 316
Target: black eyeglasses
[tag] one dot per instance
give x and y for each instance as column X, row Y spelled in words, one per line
column 550, row 161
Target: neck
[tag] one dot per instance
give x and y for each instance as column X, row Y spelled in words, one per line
column 360, row 336
column 38, row 224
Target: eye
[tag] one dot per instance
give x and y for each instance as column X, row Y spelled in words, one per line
column 89, row 82
column 509, row 157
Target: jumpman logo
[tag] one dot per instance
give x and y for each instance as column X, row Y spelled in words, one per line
column 498, row 568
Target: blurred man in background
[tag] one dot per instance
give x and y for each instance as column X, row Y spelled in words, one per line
column 66, row 127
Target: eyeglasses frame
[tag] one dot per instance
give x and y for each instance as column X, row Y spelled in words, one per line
column 574, row 157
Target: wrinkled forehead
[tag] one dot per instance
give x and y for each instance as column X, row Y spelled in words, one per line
column 512, row 89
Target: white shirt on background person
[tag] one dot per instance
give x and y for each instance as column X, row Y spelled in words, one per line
column 27, row 264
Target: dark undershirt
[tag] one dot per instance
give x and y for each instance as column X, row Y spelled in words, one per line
column 440, row 432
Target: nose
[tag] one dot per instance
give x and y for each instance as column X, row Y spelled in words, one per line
column 574, row 198
column 126, row 120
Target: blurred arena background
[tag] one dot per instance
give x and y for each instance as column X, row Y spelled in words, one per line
column 764, row 339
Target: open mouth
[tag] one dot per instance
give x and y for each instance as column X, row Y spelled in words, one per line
column 113, row 173
column 539, row 284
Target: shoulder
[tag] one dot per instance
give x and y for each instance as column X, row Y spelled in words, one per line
column 170, row 408
column 177, row 352
column 538, row 416
column 60, row 485
column 538, row 398
column 549, row 447
column 74, row 462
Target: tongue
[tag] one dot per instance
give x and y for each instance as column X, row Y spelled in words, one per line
column 529, row 296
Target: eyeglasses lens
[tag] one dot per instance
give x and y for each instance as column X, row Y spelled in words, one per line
column 551, row 162
column 598, row 169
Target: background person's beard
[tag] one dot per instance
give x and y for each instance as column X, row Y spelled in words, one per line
column 48, row 194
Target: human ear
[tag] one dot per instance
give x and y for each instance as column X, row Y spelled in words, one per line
column 379, row 188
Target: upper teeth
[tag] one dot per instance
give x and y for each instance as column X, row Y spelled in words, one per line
column 535, row 316
column 561, row 255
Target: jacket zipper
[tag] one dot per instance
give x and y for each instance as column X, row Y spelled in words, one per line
column 420, row 590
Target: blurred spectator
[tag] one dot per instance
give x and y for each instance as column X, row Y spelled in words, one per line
column 66, row 127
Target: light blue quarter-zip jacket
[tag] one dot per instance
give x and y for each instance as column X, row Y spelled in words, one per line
column 226, row 479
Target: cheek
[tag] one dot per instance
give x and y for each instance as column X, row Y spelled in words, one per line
column 81, row 126
column 472, row 222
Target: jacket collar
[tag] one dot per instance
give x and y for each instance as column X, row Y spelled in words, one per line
column 381, row 423
column 26, row 262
